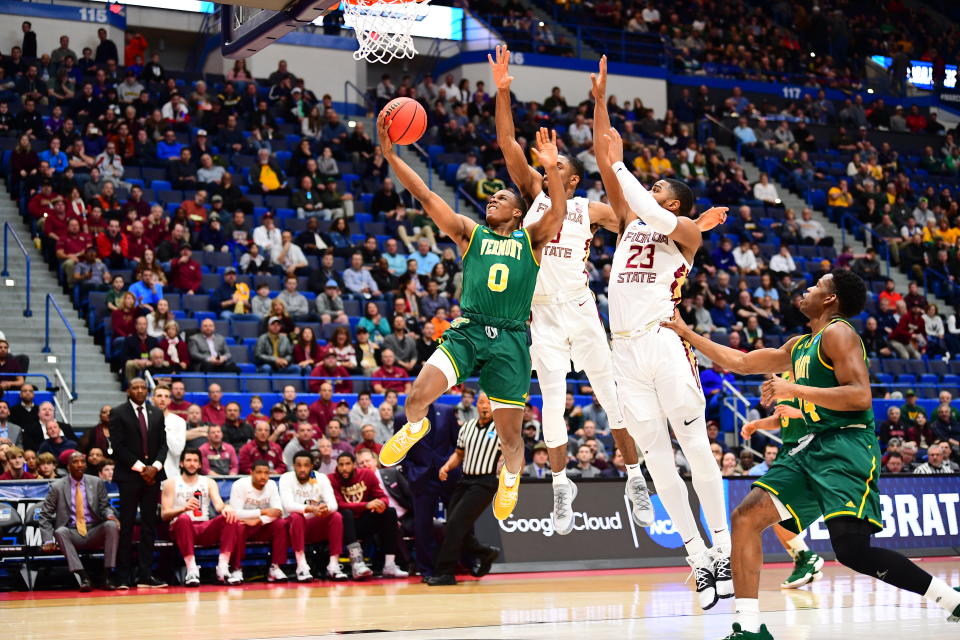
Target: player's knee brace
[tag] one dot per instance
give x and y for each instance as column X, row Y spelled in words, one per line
column 553, row 390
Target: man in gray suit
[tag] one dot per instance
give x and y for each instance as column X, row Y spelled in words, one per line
column 209, row 352
column 7, row 429
column 76, row 515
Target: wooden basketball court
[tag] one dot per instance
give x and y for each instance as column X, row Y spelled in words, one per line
column 648, row 603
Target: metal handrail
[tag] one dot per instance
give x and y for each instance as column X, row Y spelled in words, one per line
column 44, row 376
column 73, row 341
column 371, row 105
column 8, row 231
column 61, row 388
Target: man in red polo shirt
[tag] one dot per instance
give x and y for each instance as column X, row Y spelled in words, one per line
column 137, row 242
column 70, row 248
column 214, row 412
column 55, row 224
column 390, row 369
column 178, row 406
column 185, row 274
column 328, row 368
column 322, row 410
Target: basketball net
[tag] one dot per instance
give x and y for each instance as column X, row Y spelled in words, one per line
column 383, row 27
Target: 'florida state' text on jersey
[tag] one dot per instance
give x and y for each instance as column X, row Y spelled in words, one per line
column 562, row 263
column 647, row 274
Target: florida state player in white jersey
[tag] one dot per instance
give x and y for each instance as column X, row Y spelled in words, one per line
column 655, row 369
column 566, row 325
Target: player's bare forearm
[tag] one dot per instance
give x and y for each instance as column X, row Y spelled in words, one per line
column 619, row 211
column 770, row 423
column 759, row 361
column 848, row 397
column 547, row 228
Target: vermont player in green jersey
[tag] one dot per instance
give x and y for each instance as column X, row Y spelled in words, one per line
column 832, row 470
column 500, row 265
column 788, row 418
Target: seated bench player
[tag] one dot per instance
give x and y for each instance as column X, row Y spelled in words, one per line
column 310, row 509
column 189, row 518
column 257, row 503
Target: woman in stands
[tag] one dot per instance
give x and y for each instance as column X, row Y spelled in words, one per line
column 158, row 320
column 340, row 238
column 374, row 323
column 123, row 318
column 149, row 263
column 24, row 163
column 312, row 126
column 307, row 353
column 287, row 325
column 341, row 347
column 239, row 73
column 174, row 347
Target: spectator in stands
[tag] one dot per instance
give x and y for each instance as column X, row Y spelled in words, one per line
column 295, row 303
column 386, row 377
column 11, row 367
column 936, row 463
column 583, row 466
column 304, row 441
column 307, row 351
column 875, row 340
column 256, row 501
column 135, row 350
column 328, row 368
column 217, row 457
column 358, row 280
column 147, row 291
column 214, row 412
column 944, row 426
column 894, row 463
column 189, row 518
column 745, row 133
column 15, row 466
column 364, row 507
column 268, row 237
column 260, row 448
column 770, row 452
column 935, row 331
column 209, row 352
column 403, row 346
column 368, row 440
column 867, row 266
column 782, row 262
column 290, row 260
column 908, row 338
column 323, row 408
column 10, row 431
column 330, row 306
column 274, row 351
column 267, row 177
column 230, row 299
column 840, row 196
column 186, row 273
column 77, row 515
column 362, row 412
column 56, row 443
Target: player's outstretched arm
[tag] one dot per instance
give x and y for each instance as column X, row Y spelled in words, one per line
column 758, row 361
column 612, row 217
column 527, row 179
column 547, row 228
column 841, row 344
column 680, row 229
column 456, row 226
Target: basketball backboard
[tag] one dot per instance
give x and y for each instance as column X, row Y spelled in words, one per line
column 251, row 25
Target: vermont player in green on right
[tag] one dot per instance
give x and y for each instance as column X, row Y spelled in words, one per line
column 500, row 265
column 788, row 418
column 832, row 471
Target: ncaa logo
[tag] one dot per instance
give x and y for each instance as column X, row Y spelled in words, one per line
column 662, row 530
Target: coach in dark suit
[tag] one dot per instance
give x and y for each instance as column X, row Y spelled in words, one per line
column 138, row 435
column 88, row 523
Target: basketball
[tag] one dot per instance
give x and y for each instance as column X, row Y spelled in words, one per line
column 407, row 120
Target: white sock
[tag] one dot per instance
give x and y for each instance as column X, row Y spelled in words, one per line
column 334, row 563
column 509, row 479
column 191, row 562
column 389, row 560
column 560, row 477
column 748, row 614
column 695, row 546
column 301, row 557
column 721, row 539
column 634, row 470
column 223, row 562
column 416, row 426
column 797, row 545
column 942, row 594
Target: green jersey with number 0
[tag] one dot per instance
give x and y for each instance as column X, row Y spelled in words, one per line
column 499, row 276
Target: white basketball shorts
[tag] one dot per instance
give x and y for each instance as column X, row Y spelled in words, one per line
column 565, row 331
column 657, row 376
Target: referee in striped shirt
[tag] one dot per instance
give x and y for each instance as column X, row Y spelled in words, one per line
column 478, row 450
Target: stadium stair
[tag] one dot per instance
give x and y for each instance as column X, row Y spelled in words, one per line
column 96, row 385
column 559, row 31
column 792, row 201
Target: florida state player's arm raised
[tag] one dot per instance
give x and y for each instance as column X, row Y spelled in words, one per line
column 527, row 179
column 547, row 228
column 456, row 226
column 758, row 361
column 614, row 216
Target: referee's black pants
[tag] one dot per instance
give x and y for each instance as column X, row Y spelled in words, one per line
column 472, row 495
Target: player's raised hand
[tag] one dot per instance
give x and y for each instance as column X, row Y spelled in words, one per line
column 776, row 388
column 386, row 145
column 786, row 411
column 501, row 68
column 599, row 81
column 614, row 146
column 711, row 218
column 547, row 151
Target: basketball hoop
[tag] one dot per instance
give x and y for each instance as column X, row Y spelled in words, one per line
column 383, row 27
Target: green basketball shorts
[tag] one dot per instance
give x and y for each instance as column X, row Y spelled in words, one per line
column 502, row 356
column 834, row 474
